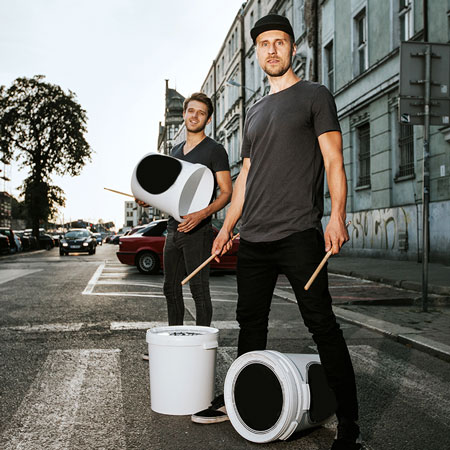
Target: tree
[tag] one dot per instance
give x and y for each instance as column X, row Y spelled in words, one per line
column 43, row 129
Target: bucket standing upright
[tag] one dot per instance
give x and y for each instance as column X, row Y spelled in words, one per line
column 182, row 363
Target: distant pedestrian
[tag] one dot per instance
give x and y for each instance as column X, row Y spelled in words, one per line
column 290, row 138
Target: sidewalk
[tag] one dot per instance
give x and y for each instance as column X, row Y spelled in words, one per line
column 408, row 324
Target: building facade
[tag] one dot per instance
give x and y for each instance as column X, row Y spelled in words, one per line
column 352, row 47
column 173, row 119
column 135, row 214
column 5, row 210
column 360, row 63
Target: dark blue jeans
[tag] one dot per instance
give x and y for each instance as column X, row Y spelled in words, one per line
column 296, row 256
column 184, row 252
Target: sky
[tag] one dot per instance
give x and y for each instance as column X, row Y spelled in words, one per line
column 114, row 55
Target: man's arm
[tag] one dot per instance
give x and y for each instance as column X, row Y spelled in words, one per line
column 223, row 242
column 336, row 232
column 226, row 188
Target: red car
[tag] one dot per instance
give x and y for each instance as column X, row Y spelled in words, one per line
column 144, row 249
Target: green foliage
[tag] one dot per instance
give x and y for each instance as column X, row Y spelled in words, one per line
column 42, row 128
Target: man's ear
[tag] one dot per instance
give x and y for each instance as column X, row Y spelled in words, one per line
column 209, row 120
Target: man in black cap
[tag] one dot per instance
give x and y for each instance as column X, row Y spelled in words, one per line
column 291, row 137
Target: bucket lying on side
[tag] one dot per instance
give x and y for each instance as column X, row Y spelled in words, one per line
column 182, row 363
column 270, row 395
column 171, row 185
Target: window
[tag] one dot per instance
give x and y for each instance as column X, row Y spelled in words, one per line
column 406, row 150
column 363, row 136
column 361, row 61
column 222, row 107
column 406, row 19
column 329, row 66
column 251, row 76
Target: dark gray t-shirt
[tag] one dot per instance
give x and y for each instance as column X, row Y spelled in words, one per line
column 284, row 191
column 209, row 153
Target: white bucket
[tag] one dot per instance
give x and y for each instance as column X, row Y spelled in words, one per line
column 270, row 395
column 182, row 362
column 171, row 185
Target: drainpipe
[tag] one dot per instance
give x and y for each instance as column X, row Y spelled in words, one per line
column 315, row 13
column 214, row 100
column 425, row 20
column 241, row 19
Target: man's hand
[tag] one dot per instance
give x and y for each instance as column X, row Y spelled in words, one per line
column 336, row 235
column 222, row 244
column 141, row 203
column 190, row 221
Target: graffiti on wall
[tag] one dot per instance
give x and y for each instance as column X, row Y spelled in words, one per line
column 381, row 229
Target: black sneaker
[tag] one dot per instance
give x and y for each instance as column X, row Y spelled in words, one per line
column 145, row 356
column 347, row 437
column 214, row 414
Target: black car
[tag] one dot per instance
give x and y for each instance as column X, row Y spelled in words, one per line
column 26, row 242
column 10, row 235
column 77, row 240
column 4, row 244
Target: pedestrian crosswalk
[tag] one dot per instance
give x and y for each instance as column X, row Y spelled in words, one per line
column 75, row 396
column 112, row 280
column 76, row 399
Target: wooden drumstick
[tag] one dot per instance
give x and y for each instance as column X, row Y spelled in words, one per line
column 203, row 264
column 316, row 272
column 319, row 267
column 118, row 192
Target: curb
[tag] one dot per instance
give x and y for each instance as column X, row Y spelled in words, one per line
column 404, row 284
column 403, row 335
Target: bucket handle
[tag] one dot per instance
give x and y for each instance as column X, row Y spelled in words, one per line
column 210, row 346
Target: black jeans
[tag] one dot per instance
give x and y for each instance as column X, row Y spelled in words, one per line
column 296, row 256
column 184, row 252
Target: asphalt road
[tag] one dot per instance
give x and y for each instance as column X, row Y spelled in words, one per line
column 72, row 331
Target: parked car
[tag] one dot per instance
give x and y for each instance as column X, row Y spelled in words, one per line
column 99, row 238
column 116, row 239
column 43, row 241
column 4, row 245
column 144, row 249
column 26, row 240
column 109, row 238
column 77, row 240
column 14, row 246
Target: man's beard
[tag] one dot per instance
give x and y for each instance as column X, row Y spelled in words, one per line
column 196, row 130
column 275, row 72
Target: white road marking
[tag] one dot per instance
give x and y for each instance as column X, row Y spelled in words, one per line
column 220, row 324
column 12, row 274
column 75, row 401
column 91, row 284
column 127, row 283
column 127, row 294
column 44, row 328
